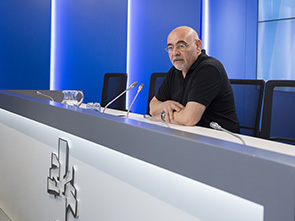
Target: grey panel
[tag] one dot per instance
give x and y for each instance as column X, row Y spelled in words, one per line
column 261, row 176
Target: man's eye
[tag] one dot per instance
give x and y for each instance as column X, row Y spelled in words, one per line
column 170, row 48
column 182, row 46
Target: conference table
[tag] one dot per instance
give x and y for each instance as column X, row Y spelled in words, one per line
column 250, row 141
column 59, row 162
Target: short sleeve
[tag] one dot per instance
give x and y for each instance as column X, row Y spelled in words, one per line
column 205, row 86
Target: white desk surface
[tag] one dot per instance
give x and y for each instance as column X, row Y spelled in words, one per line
column 250, row 141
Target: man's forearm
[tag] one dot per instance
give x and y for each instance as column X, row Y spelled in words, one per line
column 190, row 115
column 180, row 118
column 155, row 107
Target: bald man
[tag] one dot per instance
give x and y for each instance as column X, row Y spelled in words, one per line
column 196, row 90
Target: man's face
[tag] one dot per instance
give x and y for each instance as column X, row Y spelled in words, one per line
column 183, row 51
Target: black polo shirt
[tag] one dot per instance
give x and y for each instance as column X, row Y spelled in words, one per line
column 206, row 83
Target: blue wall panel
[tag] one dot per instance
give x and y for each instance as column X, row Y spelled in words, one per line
column 24, row 44
column 232, row 36
column 276, row 49
column 276, row 9
column 91, row 40
column 150, row 23
column 276, row 40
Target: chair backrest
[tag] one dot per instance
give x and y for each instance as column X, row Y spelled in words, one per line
column 155, row 82
column 248, row 96
column 113, row 85
column 278, row 120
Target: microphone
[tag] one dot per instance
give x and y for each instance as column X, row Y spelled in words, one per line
column 45, row 95
column 139, row 89
column 147, row 116
column 216, row 126
column 129, row 88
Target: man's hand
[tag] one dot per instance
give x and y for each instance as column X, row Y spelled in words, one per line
column 170, row 107
column 156, row 108
column 176, row 113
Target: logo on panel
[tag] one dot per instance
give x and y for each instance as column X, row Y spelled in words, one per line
column 61, row 179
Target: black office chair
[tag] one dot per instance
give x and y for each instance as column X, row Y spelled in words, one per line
column 278, row 118
column 248, row 96
column 155, row 82
column 113, row 85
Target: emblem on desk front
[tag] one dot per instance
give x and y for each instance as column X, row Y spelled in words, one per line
column 61, row 179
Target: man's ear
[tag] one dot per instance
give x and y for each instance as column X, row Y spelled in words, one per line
column 199, row 43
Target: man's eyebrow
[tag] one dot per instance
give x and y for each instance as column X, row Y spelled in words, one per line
column 179, row 42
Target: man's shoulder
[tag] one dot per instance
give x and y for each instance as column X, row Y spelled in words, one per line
column 210, row 63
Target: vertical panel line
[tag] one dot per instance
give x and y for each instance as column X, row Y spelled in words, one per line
column 128, row 47
column 52, row 45
column 205, row 24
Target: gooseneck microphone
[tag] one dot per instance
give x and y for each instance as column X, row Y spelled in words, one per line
column 139, row 89
column 129, row 88
column 216, row 126
column 147, row 116
column 45, row 95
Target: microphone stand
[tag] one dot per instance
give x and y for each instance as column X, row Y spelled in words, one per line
column 139, row 89
column 216, row 126
column 130, row 87
column 45, row 95
column 147, row 116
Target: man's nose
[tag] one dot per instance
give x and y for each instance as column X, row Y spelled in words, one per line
column 175, row 51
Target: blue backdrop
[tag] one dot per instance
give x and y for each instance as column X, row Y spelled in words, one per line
column 149, row 26
column 276, row 40
column 91, row 40
column 233, row 36
column 24, row 44
column 94, row 37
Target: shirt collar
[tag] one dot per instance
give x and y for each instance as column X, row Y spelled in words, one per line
column 195, row 64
